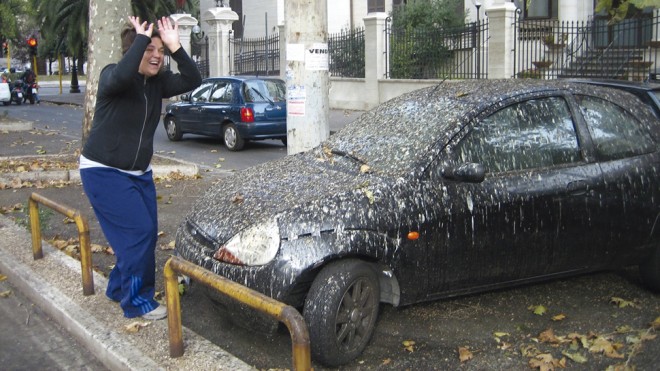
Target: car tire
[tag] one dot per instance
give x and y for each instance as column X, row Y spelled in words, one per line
column 172, row 129
column 341, row 309
column 650, row 271
column 232, row 138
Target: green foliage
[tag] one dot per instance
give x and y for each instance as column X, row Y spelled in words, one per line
column 427, row 14
column 420, row 31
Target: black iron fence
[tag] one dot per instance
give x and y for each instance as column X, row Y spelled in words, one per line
column 589, row 49
column 346, row 50
column 453, row 53
column 199, row 51
column 257, row 56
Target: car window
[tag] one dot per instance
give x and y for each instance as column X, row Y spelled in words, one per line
column 615, row 132
column 201, row 94
column 260, row 91
column 532, row 134
column 222, row 93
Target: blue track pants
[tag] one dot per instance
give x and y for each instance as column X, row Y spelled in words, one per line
column 125, row 206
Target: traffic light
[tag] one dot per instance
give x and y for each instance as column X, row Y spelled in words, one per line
column 32, row 44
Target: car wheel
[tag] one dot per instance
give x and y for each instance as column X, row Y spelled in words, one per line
column 341, row 310
column 650, row 271
column 232, row 138
column 172, row 129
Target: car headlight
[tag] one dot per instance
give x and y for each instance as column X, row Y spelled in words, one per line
column 256, row 245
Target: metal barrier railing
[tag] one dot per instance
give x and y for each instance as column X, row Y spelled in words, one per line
column 280, row 311
column 83, row 235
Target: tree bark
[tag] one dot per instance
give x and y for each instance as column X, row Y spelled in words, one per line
column 106, row 19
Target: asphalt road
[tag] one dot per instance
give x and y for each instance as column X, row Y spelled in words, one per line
column 497, row 330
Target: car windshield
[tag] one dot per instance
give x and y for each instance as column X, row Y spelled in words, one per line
column 395, row 136
column 264, row 91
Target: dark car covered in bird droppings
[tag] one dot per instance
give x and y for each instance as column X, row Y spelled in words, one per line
column 448, row 190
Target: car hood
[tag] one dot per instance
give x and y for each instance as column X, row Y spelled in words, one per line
column 304, row 193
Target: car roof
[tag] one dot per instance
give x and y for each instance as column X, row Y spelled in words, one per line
column 242, row 78
column 417, row 122
column 637, row 85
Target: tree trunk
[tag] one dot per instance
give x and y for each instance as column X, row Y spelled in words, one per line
column 106, row 19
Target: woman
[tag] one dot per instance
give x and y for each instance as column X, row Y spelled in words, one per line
column 115, row 161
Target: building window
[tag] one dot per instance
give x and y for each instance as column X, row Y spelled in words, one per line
column 375, row 6
column 541, row 9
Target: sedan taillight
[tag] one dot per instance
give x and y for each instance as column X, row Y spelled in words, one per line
column 247, row 114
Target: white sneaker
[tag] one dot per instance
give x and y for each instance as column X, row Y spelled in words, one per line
column 159, row 313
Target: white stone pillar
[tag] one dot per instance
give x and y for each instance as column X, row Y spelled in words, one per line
column 375, row 66
column 501, row 23
column 219, row 21
column 186, row 22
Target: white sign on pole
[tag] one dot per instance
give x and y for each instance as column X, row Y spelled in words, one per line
column 316, row 58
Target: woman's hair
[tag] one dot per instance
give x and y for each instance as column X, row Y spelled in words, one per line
column 128, row 36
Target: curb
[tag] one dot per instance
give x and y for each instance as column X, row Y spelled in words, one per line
column 16, row 126
column 54, row 284
column 177, row 166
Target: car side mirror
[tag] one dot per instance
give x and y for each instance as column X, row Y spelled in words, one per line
column 184, row 97
column 468, row 172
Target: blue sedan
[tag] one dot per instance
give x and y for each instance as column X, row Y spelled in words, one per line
column 236, row 109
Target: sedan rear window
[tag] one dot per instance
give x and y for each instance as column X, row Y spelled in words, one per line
column 264, row 91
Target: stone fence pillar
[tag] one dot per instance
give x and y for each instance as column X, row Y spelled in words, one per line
column 219, row 21
column 186, row 22
column 501, row 24
column 375, row 67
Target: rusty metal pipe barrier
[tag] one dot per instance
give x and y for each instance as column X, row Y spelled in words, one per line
column 280, row 311
column 83, row 235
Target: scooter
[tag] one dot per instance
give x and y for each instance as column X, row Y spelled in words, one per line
column 17, row 92
column 30, row 92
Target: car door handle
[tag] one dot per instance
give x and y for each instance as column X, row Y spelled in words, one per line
column 578, row 188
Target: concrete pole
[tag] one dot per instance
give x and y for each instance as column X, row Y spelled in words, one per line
column 219, row 21
column 186, row 22
column 307, row 74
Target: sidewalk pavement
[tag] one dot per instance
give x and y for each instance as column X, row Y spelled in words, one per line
column 54, row 283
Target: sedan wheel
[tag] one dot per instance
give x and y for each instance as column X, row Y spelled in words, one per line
column 341, row 310
column 232, row 138
column 172, row 129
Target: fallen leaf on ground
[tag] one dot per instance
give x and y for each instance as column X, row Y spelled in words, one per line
column 545, row 362
column 135, row 326
column 409, row 345
column 603, row 345
column 539, row 310
column 559, row 317
column 575, row 357
column 656, row 324
column 464, row 354
column 169, row 246
column 2, row 277
column 5, row 294
column 621, row 303
column 548, row 336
